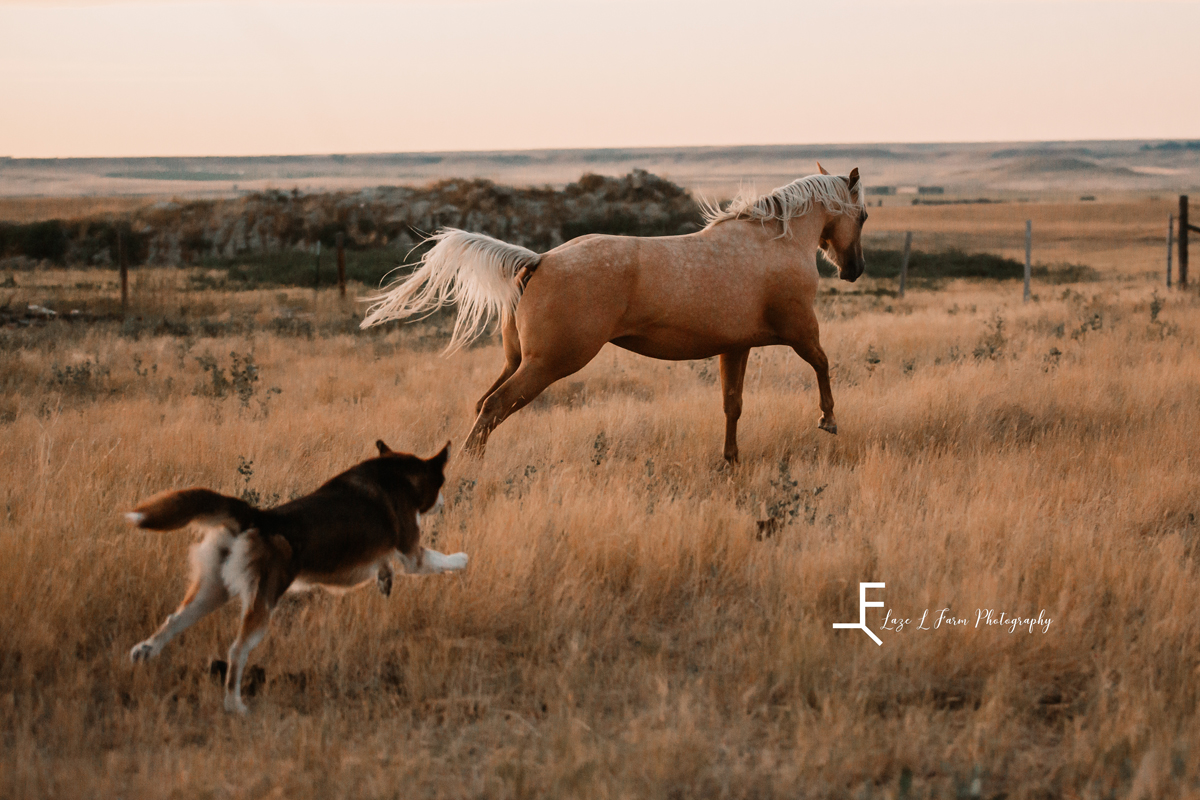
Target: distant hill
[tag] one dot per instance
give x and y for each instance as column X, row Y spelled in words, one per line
column 970, row 169
column 1048, row 164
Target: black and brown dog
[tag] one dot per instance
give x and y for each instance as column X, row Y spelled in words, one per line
column 341, row 536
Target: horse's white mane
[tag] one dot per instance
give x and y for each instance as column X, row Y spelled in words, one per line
column 793, row 200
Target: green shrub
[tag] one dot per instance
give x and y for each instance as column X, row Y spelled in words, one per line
column 39, row 240
column 924, row 267
column 299, row 267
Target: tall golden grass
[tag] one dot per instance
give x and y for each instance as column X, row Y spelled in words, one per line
column 36, row 209
column 625, row 628
column 1124, row 238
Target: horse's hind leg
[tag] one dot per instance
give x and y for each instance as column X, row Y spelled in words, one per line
column 512, row 357
column 515, row 393
column 733, row 374
column 530, row 380
column 810, row 350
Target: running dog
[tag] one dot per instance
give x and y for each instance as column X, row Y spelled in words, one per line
column 341, row 536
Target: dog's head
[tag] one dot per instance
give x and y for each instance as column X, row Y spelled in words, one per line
column 424, row 475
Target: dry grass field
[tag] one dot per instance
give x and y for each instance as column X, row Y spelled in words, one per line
column 1124, row 238
column 626, row 627
column 36, row 209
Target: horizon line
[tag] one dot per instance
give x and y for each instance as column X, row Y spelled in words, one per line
column 348, row 153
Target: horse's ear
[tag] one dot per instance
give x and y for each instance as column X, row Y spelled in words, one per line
column 383, row 448
column 821, row 169
column 853, row 179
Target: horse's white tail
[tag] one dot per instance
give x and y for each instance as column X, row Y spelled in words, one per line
column 473, row 270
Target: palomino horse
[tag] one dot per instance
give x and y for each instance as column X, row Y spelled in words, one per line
column 748, row 279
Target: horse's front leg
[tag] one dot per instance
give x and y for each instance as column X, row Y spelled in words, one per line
column 733, row 373
column 810, row 350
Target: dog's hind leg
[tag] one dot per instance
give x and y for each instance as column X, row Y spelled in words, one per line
column 206, row 594
column 202, row 599
column 256, row 614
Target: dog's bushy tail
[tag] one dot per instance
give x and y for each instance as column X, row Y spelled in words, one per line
column 171, row 510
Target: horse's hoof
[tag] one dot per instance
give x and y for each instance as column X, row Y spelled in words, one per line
column 828, row 427
column 384, row 581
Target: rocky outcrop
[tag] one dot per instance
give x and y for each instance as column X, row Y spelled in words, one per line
column 209, row 231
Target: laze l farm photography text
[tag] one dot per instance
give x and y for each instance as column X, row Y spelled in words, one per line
column 937, row 619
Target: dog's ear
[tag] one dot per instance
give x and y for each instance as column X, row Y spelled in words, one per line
column 441, row 458
column 383, row 448
column 427, row 476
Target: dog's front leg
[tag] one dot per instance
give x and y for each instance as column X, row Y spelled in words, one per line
column 383, row 579
column 431, row 562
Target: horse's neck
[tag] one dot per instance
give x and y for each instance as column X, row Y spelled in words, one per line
column 804, row 232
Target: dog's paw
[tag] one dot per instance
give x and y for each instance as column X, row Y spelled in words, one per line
column 455, row 561
column 234, row 705
column 142, row 651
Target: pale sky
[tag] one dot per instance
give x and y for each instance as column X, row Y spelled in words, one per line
column 217, row 78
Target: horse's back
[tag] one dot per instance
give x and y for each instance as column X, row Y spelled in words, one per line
column 675, row 297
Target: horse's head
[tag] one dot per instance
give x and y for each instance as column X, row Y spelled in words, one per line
column 841, row 238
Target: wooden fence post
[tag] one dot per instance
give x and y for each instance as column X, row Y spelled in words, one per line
column 904, row 260
column 341, row 261
column 317, row 273
column 1028, row 254
column 124, row 270
column 1170, row 244
column 1183, row 240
